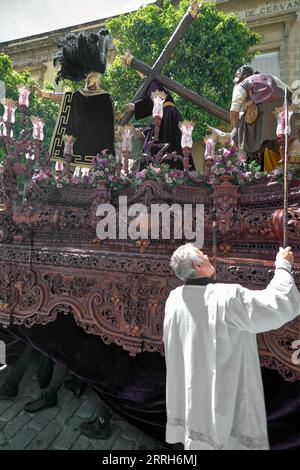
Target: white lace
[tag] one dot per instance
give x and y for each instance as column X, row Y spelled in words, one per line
column 246, row 441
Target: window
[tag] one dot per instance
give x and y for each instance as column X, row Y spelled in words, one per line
column 267, row 63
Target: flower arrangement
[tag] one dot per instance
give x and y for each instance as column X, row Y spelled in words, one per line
column 161, row 172
column 228, row 162
column 103, row 166
column 229, row 165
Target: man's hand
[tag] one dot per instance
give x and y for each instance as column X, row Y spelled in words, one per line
column 286, row 254
column 129, row 107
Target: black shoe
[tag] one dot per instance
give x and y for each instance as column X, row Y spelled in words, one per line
column 76, row 386
column 43, row 401
column 7, row 392
column 99, row 428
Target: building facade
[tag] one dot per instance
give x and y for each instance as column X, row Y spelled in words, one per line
column 36, row 53
column 278, row 23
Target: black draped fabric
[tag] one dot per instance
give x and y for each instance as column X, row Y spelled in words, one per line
column 134, row 387
column 89, row 118
column 169, row 131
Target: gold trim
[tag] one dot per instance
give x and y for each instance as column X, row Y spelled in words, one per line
column 168, row 103
column 64, row 106
column 88, row 160
column 92, row 92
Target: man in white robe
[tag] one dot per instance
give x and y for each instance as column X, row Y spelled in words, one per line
column 214, row 388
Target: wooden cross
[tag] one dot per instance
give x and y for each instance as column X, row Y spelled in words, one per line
column 154, row 72
column 164, row 57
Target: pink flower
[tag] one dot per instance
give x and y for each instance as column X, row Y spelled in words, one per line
column 226, row 153
column 75, row 180
column 257, row 175
column 157, row 170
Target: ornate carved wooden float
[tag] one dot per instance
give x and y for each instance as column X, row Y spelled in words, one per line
column 51, row 261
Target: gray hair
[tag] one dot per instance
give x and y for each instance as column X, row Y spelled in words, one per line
column 182, row 261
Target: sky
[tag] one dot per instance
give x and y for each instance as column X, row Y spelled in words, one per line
column 21, row 18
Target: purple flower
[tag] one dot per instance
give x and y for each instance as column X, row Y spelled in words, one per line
column 232, row 150
column 112, row 178
column 226, row 153
column 257, row 175
column 87, row 179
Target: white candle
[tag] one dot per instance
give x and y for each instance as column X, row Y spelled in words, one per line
column 158, row 98
column 127, row 139
column 24, row 93
column 9, row 111
column 186, row 128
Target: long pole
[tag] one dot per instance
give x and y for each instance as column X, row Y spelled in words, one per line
column 214, row 247
column 286, row 182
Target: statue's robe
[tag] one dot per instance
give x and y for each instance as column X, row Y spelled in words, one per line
column 267, row 92
column 169, row 131
column 88, row 116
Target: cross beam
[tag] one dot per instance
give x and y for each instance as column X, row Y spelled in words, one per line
column 181, row 29
column 189, row 95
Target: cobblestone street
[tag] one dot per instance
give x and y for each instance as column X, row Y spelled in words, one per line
column 58, row 427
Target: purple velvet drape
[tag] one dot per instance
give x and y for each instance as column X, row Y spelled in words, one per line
column 134, row 387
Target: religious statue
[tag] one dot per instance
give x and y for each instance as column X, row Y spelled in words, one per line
column 169, row 131
column 86, row 114
column 254, row 100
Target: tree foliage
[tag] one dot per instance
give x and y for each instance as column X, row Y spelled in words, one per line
column 37, row 107
column 205, row 61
